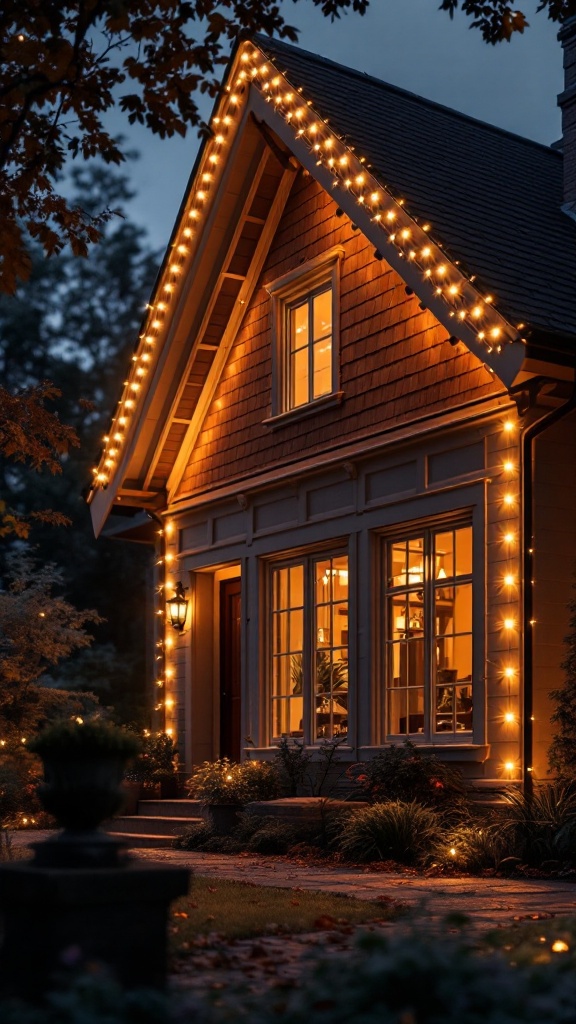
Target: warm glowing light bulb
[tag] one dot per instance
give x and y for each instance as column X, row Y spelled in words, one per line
column 509, row 500
column 509, row 538
column 509, row 623
column 509, row 672
column 508, row 426
column 559, row 946
column 509, row 766
column 509, row 717
column 509, row 579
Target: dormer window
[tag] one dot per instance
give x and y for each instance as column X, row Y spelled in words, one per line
column 305, row 322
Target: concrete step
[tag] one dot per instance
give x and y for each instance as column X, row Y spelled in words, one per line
column 140, row 824
column 152, row 842
column 177, row 808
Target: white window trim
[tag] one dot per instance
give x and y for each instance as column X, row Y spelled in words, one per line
column 298, row 283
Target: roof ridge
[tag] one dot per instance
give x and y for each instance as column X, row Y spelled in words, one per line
column 265, row 41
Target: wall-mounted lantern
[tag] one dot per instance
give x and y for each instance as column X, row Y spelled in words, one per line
column 178, row 607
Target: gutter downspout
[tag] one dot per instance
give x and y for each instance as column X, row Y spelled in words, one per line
column 528, row 468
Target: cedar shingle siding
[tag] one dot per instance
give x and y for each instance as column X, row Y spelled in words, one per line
column 396, row 363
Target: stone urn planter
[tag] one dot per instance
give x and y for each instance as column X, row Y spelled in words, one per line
column 81, row 897
column 84, row 767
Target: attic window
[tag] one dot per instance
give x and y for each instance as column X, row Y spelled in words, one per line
column 305, row 352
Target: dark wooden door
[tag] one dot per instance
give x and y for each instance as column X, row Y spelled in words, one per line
column 230, row 633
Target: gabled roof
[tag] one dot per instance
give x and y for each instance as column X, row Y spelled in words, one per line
column 468, row 215
column 493, row 198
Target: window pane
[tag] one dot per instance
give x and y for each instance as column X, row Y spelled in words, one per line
column 444, row 555
column 331, row 641
column 299, row 327
column 463, row 551
column 322, row 315
column 322, row 368
column 299, row 378
column 287, row 650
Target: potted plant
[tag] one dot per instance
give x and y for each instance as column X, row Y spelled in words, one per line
column 225, row 787
column 153, row 773
column 84, row 766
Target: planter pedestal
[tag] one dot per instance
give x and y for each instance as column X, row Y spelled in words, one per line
column 57, row 918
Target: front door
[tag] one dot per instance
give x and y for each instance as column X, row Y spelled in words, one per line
column 230, row 631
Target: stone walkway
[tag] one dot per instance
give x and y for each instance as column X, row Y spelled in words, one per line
column 281, row 961
column 487, row 901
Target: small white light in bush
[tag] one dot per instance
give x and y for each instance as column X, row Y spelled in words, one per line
column 452, row 851
column 560, row 947
column 229, row 778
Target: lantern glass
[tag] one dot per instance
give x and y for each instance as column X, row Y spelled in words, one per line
column 178, row 608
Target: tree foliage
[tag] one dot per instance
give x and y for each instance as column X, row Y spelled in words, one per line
column 65, row 63
column 499, row 20
column 562, row 752
column 38, row 629
column 75, row 321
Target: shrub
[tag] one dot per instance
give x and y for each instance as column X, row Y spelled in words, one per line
column 195, row 837
column 539, row 825
column 262, row 780
column 271, row 837
column 404, row 832
column 473, row 846
column 292, row 762
column 406, row 773
column 156, row 760
column 225, row 782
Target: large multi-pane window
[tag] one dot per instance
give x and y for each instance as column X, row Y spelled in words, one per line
column 309, row 648
column 429, row 633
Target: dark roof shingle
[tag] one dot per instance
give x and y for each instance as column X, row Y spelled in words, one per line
column 493, row 198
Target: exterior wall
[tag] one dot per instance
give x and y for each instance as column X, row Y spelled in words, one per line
column 458, row 468
column 554, row 567
column 395, row 362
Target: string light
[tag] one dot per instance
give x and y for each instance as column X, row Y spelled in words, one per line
column 411, row 239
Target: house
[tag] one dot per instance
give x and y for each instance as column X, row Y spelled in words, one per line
column 349, row 425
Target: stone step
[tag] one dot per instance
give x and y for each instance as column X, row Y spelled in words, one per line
column 177, row 808
column 149, row 825
column 152, row 842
